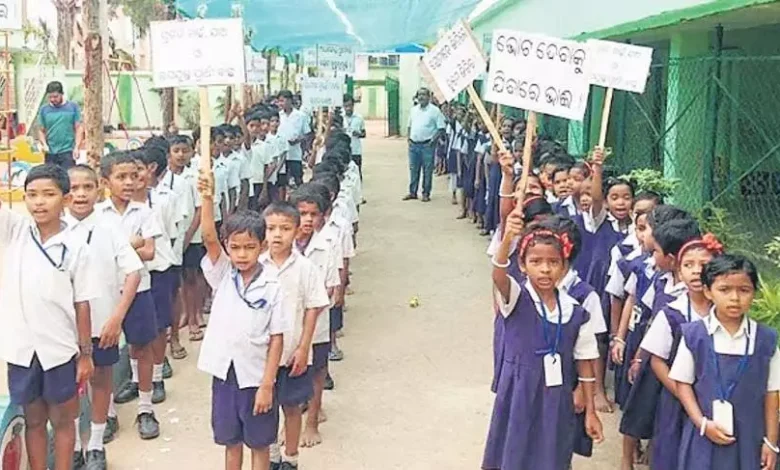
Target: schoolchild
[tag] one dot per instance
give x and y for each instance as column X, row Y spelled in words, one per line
column 727, row 371
column 278, row 153
column 356, row 129
column 118, row 268
column 259, row 159
column 579, row 173
column 243, row 345
column 46, row 339
column 481, row 165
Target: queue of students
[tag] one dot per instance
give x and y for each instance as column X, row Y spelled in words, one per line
column 267, row 256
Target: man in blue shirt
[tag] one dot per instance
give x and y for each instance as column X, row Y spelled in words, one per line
column 60, row 128
column 426, row 126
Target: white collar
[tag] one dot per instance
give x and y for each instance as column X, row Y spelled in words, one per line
column 616, row 225
column 108, row 206
column 318, row 242
column 566, row 302
column 265, row 259
column 88, row 221
column 568, row 280
column 713, row 324
column 672, row 288
column 56, row 239
column 682, row 304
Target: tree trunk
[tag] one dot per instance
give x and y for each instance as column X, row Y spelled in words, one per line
column 228, row 102
column 65, row 18
column 93, row 83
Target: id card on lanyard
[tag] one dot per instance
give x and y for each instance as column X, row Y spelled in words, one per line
column 553, row 369
column 722, row 409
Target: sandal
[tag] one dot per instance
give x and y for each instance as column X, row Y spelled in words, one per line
column 178, row 353
column 196, row 335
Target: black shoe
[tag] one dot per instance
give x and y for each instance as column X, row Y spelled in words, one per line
column 96, row 460
column 275, row 465
column 288, row 466
column 167, row 369
column 329, row 384
column 409, row 197
column 112, row 427
column 158, row 392
column 148, row 426
column 78, row 461
column 128, row 393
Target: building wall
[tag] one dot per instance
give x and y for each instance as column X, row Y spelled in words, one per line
column 410, row 81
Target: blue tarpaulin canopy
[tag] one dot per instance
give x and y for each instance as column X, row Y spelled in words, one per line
column 369, row 25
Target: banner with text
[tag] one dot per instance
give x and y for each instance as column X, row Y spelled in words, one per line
column 197, row 53
column 455, row 61
column 538, row 73
column 256, row 67
column 317, row 92
column 337, row 58
column 619, row 66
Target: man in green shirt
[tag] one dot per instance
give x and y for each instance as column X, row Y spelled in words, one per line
column 60, row 128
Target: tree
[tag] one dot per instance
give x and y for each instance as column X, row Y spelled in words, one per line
column 66, row 17
column 93, row 83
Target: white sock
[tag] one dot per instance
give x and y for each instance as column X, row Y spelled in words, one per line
column 134, row 368
column 292, row 459
column 77, row 446
column 96, row 436
column 157, row 373
column 276, row 453
column 111, row 407
column 144, row 402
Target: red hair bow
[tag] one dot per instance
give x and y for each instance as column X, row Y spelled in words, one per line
column 712, row 244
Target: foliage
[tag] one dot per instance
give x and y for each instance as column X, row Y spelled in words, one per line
column 43, row 39
column 142, row 12
column 189, row 108
column 76, row 95
column 718, row 221
column 646, row 179
column 773, row 251
column 766, row 307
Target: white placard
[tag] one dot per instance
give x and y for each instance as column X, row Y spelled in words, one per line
column 619, row 66
column 197, row 52
column 279, row 63
column 338, row 58
column 10, row 15
column 310, row 57
column 256, row 67
column 538, row 73
column 362, row 67
column 317, row 92
column 455, row 61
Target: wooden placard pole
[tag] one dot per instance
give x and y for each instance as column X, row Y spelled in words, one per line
column 205, row 129
column 530, row 133
column 491, row 126
column 605, row 117
column 7, row 113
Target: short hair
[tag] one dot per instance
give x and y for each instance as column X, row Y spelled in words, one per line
column 54, row 87
column 244, row 221
column 615, row 182
column 321, row 190
column 648, row 195
column 349, row 99
column 285, row 94
column 49, row 171
column 664, row 213
column 536, row 207
column 285, row 209
column 561, row 168
column 306, row 194
column 88, row 170
column 584, row 167
column 155, row 154
column 159, row 142
column 180, row 139
column 724, row 264
column 330, row 180
column 195, row 135
column 672, row 235
column 120, row 157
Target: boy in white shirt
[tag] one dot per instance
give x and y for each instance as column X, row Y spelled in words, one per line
column 221, row 175
column 139, row 225
column 259, row 152
column 279, row 154
column 304, row 296
column 233, row 161
column 118, row 267
column 320, row 247
column 355, row 127
column 247, row 305
column 46, row 338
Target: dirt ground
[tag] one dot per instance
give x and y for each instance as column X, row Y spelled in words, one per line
column 413, row 391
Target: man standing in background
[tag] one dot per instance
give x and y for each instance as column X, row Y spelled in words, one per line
column 426, row 126
column 60, row 132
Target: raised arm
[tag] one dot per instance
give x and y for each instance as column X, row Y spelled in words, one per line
column 597, row 192
column 207, row 224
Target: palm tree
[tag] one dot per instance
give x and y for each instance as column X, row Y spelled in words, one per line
column 66, row 17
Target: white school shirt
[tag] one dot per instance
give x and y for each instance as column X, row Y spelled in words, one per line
column 684, row 368
column 234, row 170
column 294, row 126
column 355, row 123
column 346, row 203
column 670, row 287
column 185, row 198
column 591, row 303
column 281, row 149
column 38, row 314
column 220, row 188
column 658, row 340
column 303, row 288
column 139, row 220
column 113, row 259
column 245, row 169
column 242, row 321
column 260, row 156
column 616, row 281
column 585, row 347
column 190, row 174
column 162, row 202
column 353, row 175
column 344, row 229
column 425, row 122
column 324, row 250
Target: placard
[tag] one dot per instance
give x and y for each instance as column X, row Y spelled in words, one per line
column 197, row 52
column 619, row 66
column 11, row 15
column 538, row 73
column 256, row 67
column 310, row 57
column 338, row 58
column 279, row 63
column 317, row 92
column 455, row 61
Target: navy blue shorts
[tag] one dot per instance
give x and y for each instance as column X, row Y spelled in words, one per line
column 176, row 274
column 193, row 255
column 104, row 357
column 163, row 286
column 232, row 418
column 140, row 325
column 319, row 358
column 294, row 391
column 55, row 386
column 336, row 319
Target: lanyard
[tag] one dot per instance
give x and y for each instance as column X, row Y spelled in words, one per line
column 149, row 197
column 173, row 175
column 89, row 236
column 254, row 305
column 725, row 393
column 46, row 254
column 551, row 346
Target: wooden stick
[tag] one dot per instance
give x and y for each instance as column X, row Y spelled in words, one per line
column 491, row 126
column 605, row 117
column 205, row 129
column 530, row 133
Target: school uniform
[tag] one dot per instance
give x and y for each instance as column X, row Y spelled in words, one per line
column 195, row 251
column 294, row 126
column 550, row 197
column 352, row 124
column 566, row 207
column 710, row 359
column 324, row 250
column 468, row 165
column 482, row 152
column 233, row 162
column 140, row 323
column 40, row 283
column 113, row 260
column 165, row 278
column 235, row 351
column 221, row 185
column 452, row 154
column 186, row 197
column 354, row 183
column 303, row 287
column 347, row 246
column 282, row 147
column 492, row 210
column 533, row 424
